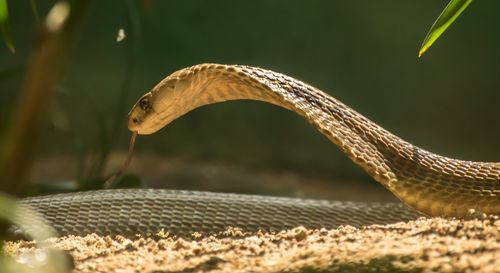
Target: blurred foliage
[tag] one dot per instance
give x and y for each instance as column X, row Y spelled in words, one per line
column 447, row 17
column 34, row 8
column 44, row 260
column 4, row 22
column 38, row 89
column 4, row 25
column 44, row 70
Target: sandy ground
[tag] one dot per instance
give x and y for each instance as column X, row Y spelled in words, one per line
column 424, row 245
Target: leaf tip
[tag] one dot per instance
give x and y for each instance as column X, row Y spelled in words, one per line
column 444, row 20
column 421, row 52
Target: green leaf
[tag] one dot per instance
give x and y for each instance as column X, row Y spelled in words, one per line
column 4, row 26
column 447, row 17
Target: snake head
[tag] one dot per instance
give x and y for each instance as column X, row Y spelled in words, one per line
column 141, row 114
column 165, row 103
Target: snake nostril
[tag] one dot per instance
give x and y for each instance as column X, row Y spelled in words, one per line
column 135, row 120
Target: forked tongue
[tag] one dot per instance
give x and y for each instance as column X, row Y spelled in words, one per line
column 111, row 179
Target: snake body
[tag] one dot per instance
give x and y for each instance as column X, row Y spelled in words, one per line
column 432, row 184
column 181, row 213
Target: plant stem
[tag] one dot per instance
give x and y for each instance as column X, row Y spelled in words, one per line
column 17, row 150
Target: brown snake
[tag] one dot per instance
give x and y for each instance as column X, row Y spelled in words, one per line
column 430, row 183
column 433, row 184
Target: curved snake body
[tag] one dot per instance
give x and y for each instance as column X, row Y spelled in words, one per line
column 432, row 184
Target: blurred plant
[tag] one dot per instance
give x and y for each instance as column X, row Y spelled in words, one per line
column 445, row 19
column 34, row 8
column 4, row 26
column 4, row 22
column 42, row 260
column 18, row 145
column 43, row 72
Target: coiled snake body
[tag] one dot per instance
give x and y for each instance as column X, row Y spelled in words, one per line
column 432, row 184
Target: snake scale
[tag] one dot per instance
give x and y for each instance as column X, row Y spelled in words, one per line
column 428, row 183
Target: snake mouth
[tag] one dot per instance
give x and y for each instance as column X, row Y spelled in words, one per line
column 140, row 131
column 134, row 123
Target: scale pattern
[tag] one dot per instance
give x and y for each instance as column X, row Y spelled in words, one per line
column 434, row 185
column 146, row 211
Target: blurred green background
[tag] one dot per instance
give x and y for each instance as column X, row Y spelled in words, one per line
column 362, row 52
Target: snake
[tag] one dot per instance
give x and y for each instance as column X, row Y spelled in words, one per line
column 426, row 183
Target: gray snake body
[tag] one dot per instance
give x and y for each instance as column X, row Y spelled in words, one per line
column 181, row 213
column 430, row 183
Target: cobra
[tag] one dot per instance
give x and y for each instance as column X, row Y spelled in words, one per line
column 433, row 185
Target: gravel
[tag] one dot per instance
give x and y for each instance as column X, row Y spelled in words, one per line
column 423, row 245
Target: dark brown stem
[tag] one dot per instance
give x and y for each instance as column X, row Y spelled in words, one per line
column 49, row 55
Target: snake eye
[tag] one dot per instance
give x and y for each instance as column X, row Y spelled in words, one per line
column 144, row 104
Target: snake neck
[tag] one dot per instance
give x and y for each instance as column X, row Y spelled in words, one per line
column 423, row 180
